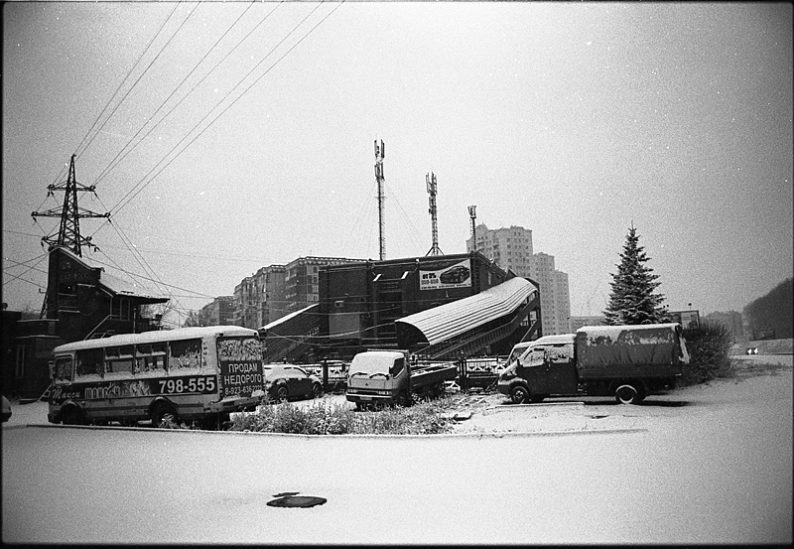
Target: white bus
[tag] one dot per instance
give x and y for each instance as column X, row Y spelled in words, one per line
column 198, row 373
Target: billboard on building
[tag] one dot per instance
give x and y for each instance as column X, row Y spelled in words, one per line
column 456, row 275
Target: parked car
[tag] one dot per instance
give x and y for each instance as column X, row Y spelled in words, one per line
column 6, row 414
column 290, row 382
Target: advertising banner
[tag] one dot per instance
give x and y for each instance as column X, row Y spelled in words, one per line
column 457, row 275
column 240, row 361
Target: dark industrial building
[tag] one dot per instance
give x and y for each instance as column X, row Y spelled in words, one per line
column 440, row 307
column 82, row 301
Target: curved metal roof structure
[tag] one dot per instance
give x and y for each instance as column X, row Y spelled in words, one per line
column 452, row 319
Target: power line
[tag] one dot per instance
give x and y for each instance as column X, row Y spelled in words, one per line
column 206, row 75
column 119, row 206
column 156, row 57
column 198, row 294
column 111, row 165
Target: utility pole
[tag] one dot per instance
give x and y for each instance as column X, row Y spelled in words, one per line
column 380, row 153
column 432, row 190
column 473, row 216
column 70, row 213
column 69, row 232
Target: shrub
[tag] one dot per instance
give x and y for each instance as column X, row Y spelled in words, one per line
column 324, row 419
column 708, row 347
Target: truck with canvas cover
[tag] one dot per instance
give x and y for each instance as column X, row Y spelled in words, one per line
column 383, row 377
column 629, row 362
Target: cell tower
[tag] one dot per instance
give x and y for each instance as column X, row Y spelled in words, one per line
column 380, row 153
column 473, row 216
column 432, row 190
column 69, row 232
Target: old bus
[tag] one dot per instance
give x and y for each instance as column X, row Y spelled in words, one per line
column 194, row 374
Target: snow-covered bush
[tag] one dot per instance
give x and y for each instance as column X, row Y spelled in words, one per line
column 708, row 347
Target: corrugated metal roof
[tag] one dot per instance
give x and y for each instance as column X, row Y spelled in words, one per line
column 452, row 319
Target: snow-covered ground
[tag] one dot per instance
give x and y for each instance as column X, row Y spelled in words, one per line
column 706, row 464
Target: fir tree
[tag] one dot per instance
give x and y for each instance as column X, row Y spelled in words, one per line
column 633, row 300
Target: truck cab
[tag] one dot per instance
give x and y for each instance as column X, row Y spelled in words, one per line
column 379, row 377
column 546, row 365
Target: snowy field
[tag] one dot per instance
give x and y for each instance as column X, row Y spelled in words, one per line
column 706, row 464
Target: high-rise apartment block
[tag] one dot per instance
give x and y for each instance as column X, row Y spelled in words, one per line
column 301, row 284
column 259, row 298
column 511, row 248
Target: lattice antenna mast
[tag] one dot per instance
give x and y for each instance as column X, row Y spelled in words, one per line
column 432, row 190
column 380, row 153
column 70, row 213
column 473, row 217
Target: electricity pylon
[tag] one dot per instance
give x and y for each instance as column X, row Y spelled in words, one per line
column 70, row 213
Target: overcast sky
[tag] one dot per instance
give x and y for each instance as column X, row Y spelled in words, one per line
column 574, row 120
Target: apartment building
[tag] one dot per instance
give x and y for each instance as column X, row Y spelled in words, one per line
column 511, row 248
column 260, row 298
column 301, row 281
column 220, row 312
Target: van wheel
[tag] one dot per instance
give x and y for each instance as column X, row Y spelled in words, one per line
column 628, row 394
column 519, row 394
column 72, row 415
column 159, row 411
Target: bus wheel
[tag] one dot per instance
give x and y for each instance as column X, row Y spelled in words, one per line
column 72, row 415
column 628, row 394
column 159, row 411
column 519, row 394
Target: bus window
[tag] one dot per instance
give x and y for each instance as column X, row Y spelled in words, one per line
column 63, row 369
column 150, row 358
column 118, row 360
column 185, row 354
column 90, row 363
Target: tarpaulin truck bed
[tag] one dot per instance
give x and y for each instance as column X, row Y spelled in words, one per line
column 613, row 351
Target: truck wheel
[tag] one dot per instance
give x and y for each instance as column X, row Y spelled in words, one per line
column 519, row 394
column 628, row 394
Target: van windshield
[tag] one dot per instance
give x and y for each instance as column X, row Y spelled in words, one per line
column 517, row 351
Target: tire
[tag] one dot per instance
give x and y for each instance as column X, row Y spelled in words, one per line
column 401, row 400
column 281, row 394
column 519, row 394
column 628, row 393
column 159, row 411
column 317, row 390
column 72, row 415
